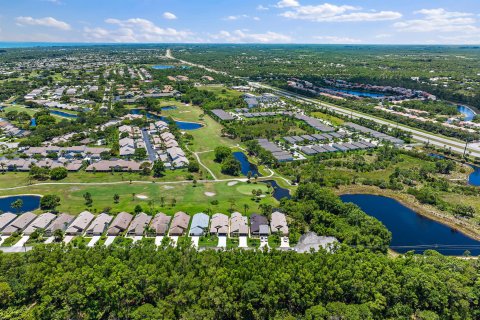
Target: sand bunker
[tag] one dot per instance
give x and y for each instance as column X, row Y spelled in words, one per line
column 232, row 183
column 210, row 194
column 141, row 196
column 168, row 187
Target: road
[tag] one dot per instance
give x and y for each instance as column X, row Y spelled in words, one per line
column 148, row 145
column 434, row 139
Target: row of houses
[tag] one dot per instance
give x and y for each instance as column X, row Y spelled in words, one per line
column 314, row 137
column 335, row 147
column 9, row 130
column 142, row 224
column 132, row 141
column 24, row 165
column 83, row 151
column 200, row 224
column 165, row 146
column 278, row 153
column 373, row 133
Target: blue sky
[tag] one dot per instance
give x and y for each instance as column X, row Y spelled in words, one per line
column 242, row 21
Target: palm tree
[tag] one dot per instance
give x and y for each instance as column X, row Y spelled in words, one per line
column 17, row 205
column 246, row 207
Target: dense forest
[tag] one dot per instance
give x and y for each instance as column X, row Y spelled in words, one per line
column 142, row 282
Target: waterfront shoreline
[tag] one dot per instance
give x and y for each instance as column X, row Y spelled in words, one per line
column 413, row 204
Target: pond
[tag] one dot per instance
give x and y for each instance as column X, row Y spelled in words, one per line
column 169, row 108
column 474, row 177
column 412, row 231
column 279, row 193
column 30, row 203
column 63, row 114
column 362, row 93
column 182, row 125
column 33, row 122
column 246, row 165
column 468, row 114
column 162, row 67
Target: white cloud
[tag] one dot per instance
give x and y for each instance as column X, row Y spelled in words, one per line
column 383, row 35
column 334, row 13
column 169, row 16
column 243, row 36
column 337, row 40
column 241, row 17
column 262, row 8
column 44, row 22
column 439, row 20
column 135, row 30
column 288, row 4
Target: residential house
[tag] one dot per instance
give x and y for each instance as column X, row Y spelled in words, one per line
column 278, row 223
column 199, row 225
column 41, row 222
column 259, row 225
column 6, row 218
column 138, row 224
column 119, row 224
column 99, row 225
column 19, row 224
column 179, row 224
column 219, row 224
column 61, row 222
column 160, row 224
column 238, row 225
column 80, row 224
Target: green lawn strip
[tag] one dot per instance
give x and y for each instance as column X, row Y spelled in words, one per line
column 10, row 241
column 232, row 243
column 274, row 241
column 208, row 241
column 253, row 243
column 14, row 179
column 222, row 91
column 80, row 241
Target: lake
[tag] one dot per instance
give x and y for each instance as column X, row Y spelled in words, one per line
column 30, row 203
column 63, row 114
column 279, row 193
column 162, row 67
column 182, row 125
column 362, row 93
column 246, row 165
column 412, row 231
column 468, row 114
column 474, row 177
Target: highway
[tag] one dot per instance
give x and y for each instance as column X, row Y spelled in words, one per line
column 434, row 139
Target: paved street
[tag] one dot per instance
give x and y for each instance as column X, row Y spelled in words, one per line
column 151, row 153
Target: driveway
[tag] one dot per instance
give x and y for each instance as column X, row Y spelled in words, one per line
column 285, row 242
column 174, row 240
column 158, row 240
column 21, row 242
column 263, row 242
column 222, row 242
column 148, row 145
column 67, row 239
column 49, row 240
column 195, row 240
column 3, row 238
column 242, row 242
column 109, row 240
column 137, row 238
column 93, row 241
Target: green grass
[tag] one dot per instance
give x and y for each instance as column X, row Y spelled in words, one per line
column 29, row 111
column 332, row 119
column 274, row 241
column 10, row 241
column 232, row 243
column 221, row 91
column 187, row 197
column 208, row 241
column 80, row 241
column 253, row 243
